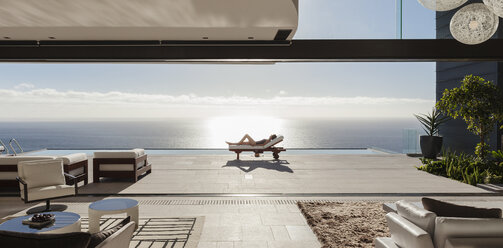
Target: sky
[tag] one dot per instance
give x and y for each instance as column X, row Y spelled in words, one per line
column 37, row 91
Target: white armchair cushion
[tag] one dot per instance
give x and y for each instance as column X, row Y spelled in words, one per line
column 74, row 158
column 452, row 227
column 14, row 160
column 49, row 192
column 39, row 173
column 418, row 216
column 405, row 234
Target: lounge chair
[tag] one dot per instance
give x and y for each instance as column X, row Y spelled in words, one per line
column 120, row 164
column 257, row 149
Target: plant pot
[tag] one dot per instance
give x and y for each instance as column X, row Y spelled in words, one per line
column 430, row 146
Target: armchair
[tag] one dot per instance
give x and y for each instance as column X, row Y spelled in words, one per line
column 45, row 180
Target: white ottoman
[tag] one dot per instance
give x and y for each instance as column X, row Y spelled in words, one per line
column 110, row 207
column 120, row 164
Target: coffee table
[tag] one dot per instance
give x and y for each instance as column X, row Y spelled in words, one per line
column 65, row 222
column 109, row 207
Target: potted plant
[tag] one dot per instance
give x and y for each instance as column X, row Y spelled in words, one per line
column 431, row 143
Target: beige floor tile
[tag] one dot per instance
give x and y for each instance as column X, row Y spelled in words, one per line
column 203, row 244
column 251, row 244
column 222, row 233
column 300, row 233
column 255, row 233
column 225, row 244
column 293, row 244
column 280, row 233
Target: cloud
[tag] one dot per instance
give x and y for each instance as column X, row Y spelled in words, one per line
column 24, row 86
column 117, row 97
column 282, row 92
column 51, row 104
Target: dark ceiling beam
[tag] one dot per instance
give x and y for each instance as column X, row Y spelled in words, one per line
column 260, row 52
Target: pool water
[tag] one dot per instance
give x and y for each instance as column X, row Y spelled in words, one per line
column 51, row 152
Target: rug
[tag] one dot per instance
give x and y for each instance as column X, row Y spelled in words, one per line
column 346, row 224
column 159, row 232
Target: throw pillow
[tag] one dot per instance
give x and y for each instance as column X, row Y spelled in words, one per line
column 446, row 209
column 99, row 237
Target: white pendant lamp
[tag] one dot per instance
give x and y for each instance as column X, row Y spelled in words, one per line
column 442, row 5
column 474, row 24
column 496, row 6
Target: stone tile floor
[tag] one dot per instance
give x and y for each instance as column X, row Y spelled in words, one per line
column 269, row 223
column 307, row 174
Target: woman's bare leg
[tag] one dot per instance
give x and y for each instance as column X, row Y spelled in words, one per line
column 243, row 142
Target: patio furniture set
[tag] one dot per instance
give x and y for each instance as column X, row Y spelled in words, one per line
column 66, row 228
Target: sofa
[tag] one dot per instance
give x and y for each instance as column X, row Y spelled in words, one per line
column 415, row 227
column 74, row 164
column 120, row 164
column 119, row 239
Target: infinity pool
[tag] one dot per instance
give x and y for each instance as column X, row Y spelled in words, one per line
column 51, row 152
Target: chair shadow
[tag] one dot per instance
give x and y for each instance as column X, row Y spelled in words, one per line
column 251, row 165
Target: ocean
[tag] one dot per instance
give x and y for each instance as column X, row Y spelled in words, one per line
column 383, row 134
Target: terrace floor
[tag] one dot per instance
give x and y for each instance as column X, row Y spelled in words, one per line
column 252, row 202
column 292, row 174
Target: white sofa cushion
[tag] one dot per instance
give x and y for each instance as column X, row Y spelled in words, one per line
column 480, row 242
column 74, row 158
column 39, row 173
column 453, row 227
column 385, row 243
column 405, row 234
column 49, row 192
column 420, row 217
column 135, row 153
column 14, row 160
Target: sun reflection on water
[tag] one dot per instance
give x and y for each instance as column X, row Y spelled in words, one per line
column 232, row 128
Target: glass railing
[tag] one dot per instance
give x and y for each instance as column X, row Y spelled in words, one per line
column 364, row 19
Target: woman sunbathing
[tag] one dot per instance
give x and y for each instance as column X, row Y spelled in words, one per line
column 248, row 140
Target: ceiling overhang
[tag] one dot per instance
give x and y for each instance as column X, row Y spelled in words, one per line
column 294, row 51
column 130, row 20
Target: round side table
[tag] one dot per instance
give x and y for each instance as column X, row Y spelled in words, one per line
column 65, row 222
column 109, row 207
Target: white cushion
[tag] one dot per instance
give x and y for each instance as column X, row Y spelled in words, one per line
column 120, row 167
column 274, row 141
column 14, row 160
column 39, row 173
column 419, row 216
column 135, row 153
column 49, row 192
column 74, row 158
column 246, row 147
column 119, row 239
column 405, row 234
column 8, row 175
column 479, row 242
column 451, row 227
column 385, row 243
